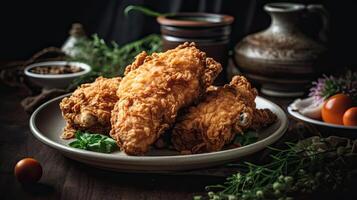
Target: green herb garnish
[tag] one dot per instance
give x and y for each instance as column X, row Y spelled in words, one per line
column 110, row 60
column 245, row 139
column 314, row 164
column 94, row 142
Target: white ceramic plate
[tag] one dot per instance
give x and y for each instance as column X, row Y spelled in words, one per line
column 331, row 128
column 47, row 123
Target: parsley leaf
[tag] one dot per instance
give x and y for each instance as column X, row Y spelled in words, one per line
column 93, row 142
column 245, row 139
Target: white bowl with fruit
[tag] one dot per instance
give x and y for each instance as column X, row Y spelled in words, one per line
column 331, row 105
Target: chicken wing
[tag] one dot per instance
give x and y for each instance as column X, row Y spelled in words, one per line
column 154, row 90
column 213, row 123
column 262, row 118
column 89, row 107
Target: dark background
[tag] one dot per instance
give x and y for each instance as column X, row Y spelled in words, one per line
column 29, row 26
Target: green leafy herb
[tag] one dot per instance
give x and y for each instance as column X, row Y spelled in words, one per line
column 145, row 10
column 313, row 164
column 245, row 139
column 94, row 142
column 110, row 60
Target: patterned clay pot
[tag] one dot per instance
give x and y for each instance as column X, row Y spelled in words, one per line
column 282, row 59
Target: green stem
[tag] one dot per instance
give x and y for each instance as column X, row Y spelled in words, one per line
column 145, row 11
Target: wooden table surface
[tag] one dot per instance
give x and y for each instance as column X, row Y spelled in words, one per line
column 64, row 178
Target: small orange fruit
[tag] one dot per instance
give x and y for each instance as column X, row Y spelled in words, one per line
column 335, row 107
column 350, row 117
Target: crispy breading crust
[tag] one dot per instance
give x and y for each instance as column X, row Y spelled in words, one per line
column 89, row 107
column 154, row 89
column 262, row 118
column 222, row 113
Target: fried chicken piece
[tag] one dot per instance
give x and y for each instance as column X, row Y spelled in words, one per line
column 213, row 123
column 262, row 118
column 89, row 107
column 153, row 91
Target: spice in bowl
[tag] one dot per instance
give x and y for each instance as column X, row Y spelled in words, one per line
column 56, row 74
column 56, row 69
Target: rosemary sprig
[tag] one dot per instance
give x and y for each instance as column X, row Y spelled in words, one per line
column 310, row 165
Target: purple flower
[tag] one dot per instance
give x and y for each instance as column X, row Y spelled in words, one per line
column 323, row 88
column 327, row 86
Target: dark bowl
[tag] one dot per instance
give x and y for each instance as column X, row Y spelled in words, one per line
column 211, row 33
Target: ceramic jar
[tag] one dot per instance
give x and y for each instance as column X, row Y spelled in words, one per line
column 211, row 32
column 282, row 59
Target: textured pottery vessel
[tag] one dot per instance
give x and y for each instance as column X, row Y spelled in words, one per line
column 281, row 59
column 211, row 32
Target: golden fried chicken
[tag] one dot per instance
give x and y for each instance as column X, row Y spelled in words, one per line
column 214, row 122
column 89, row 107
column 262, row 118
column 154, row 90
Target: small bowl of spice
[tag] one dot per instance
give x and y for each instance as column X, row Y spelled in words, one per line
column 56, row 74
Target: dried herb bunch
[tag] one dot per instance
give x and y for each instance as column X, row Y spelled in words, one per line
column 314, row 164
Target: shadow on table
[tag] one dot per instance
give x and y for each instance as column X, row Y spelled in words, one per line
column 38, row 189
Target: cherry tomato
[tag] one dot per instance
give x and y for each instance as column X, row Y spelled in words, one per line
column 335, row 107
column 350, row 117
column 28, row 170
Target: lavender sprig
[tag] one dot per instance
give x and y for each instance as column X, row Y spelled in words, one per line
column 327, row 86
column 323, row 88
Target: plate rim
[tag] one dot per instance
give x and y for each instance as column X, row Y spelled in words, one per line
column 142, row 160
column 299, row 116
